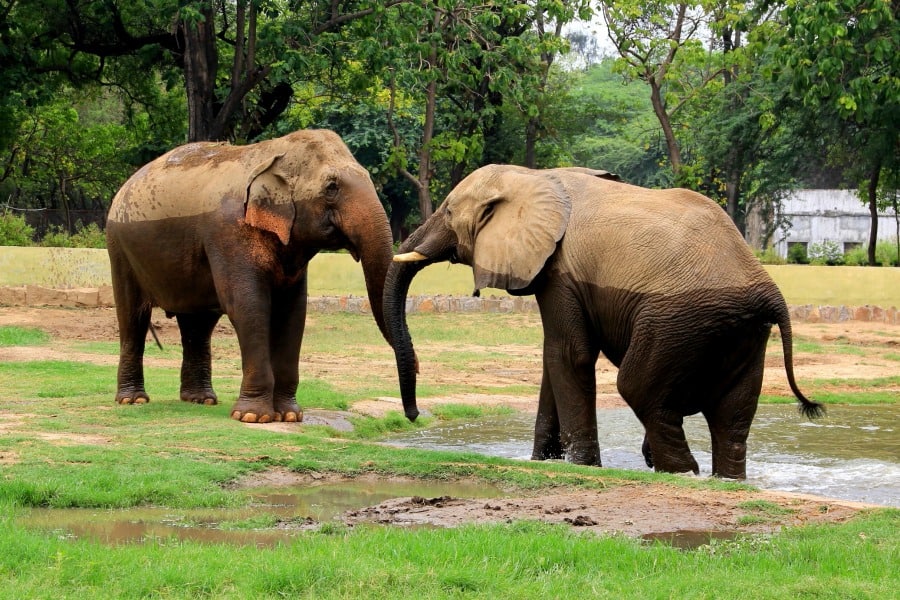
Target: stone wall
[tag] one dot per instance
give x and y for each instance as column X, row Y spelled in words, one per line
column 33, row 295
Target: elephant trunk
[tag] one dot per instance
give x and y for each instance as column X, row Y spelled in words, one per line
column 396, row 288
column 373, row 245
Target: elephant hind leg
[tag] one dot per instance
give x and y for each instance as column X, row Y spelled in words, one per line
column 729, row 420
column 196, row 363
column 133, row 312
column 665, row 447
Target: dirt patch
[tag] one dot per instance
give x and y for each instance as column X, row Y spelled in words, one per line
column 632, row 509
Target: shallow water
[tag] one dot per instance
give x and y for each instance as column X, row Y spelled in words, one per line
column 294, row 506
column 853, row 453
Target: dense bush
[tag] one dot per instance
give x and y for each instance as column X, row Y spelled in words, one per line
column 85, row 236
column 796, row 255
column 858, row 257
column 14, row 231
column 886, row 254
column 826, row 252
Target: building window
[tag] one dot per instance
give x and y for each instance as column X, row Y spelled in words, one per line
column 848, row 246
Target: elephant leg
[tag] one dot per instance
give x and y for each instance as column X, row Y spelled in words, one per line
column 666, row 444
column 648, row 381
column 547, row 442
column 729, row 420
column 288, row 324
column 570, row 361
column 133, row 315
column 196, row 363
column 646, row 451
column 251, row 316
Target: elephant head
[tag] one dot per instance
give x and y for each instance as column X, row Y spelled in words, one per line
column 503, row 221
column 306, row 188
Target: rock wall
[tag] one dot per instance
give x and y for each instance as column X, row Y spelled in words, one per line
column 102, row 297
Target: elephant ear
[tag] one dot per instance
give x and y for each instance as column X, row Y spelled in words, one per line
column 269, row 205
column 521, row 231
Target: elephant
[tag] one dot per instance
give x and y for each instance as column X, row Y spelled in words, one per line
column 212, row 228
column 659, row 281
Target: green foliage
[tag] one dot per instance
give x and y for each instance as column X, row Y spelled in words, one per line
column 826, row 252
column 14, row 231
column 770, row 256
column 85, row 236
column 796, row 255
column 856, row 257
column 887, row 254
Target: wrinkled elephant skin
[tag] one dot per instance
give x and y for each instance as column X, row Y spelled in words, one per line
column 659, row 281
column 210, row 229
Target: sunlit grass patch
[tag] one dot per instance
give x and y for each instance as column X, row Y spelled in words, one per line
column 22, row 336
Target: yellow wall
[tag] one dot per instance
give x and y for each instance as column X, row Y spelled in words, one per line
column 337, row 275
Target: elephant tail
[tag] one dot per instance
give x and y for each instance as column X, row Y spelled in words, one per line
column 810, row 409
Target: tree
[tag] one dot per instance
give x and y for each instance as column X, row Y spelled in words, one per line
column 237, row 60
column 843, row 64
column 650, row 37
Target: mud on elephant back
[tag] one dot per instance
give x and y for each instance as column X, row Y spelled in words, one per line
column 659, row 281
column 210, row 229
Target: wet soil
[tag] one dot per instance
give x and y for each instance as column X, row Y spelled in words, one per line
column 631, row 508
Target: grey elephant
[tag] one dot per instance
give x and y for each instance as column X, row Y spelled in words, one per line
column 659, row 281
column 210, row 229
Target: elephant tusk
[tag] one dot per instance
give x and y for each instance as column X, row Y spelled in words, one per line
column 410, row 257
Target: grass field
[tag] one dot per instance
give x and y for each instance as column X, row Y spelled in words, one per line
column 65, row 444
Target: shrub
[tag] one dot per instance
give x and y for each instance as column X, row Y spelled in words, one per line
column 89, row 236
column 886, row 254
column 769, row 256
column 14, row 231
column 826, row 252
column 857, row 257
column 85, row 236
column 797, row 255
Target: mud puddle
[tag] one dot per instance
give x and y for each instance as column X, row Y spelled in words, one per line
column 273, row 516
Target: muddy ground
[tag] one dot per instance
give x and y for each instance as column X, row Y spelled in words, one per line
column 629, row 508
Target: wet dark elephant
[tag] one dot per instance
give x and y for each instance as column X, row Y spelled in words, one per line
column 659, row 281
column 211, row 229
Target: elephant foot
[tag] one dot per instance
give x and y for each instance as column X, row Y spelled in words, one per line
column 584, row 453
column 253, row 411
column 288, row 411
column 132, row 398
column 250, row 417
column 205, row 397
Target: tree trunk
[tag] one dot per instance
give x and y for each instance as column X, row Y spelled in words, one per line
column 659, row 108
column 873, row 211
column 200, row 66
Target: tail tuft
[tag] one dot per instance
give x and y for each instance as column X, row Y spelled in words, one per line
column 811, row 410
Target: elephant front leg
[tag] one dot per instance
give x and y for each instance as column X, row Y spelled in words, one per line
column 288, row 324
column 547, row 441
column 569, row 363
column 254, row 403
column 196, row 364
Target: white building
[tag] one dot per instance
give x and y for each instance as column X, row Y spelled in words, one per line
column 838, row 216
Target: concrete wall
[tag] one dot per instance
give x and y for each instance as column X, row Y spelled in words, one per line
column 832, row 215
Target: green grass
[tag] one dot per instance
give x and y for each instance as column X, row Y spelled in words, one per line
column 518, row 560
column 65, row 443
column 22, row 336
